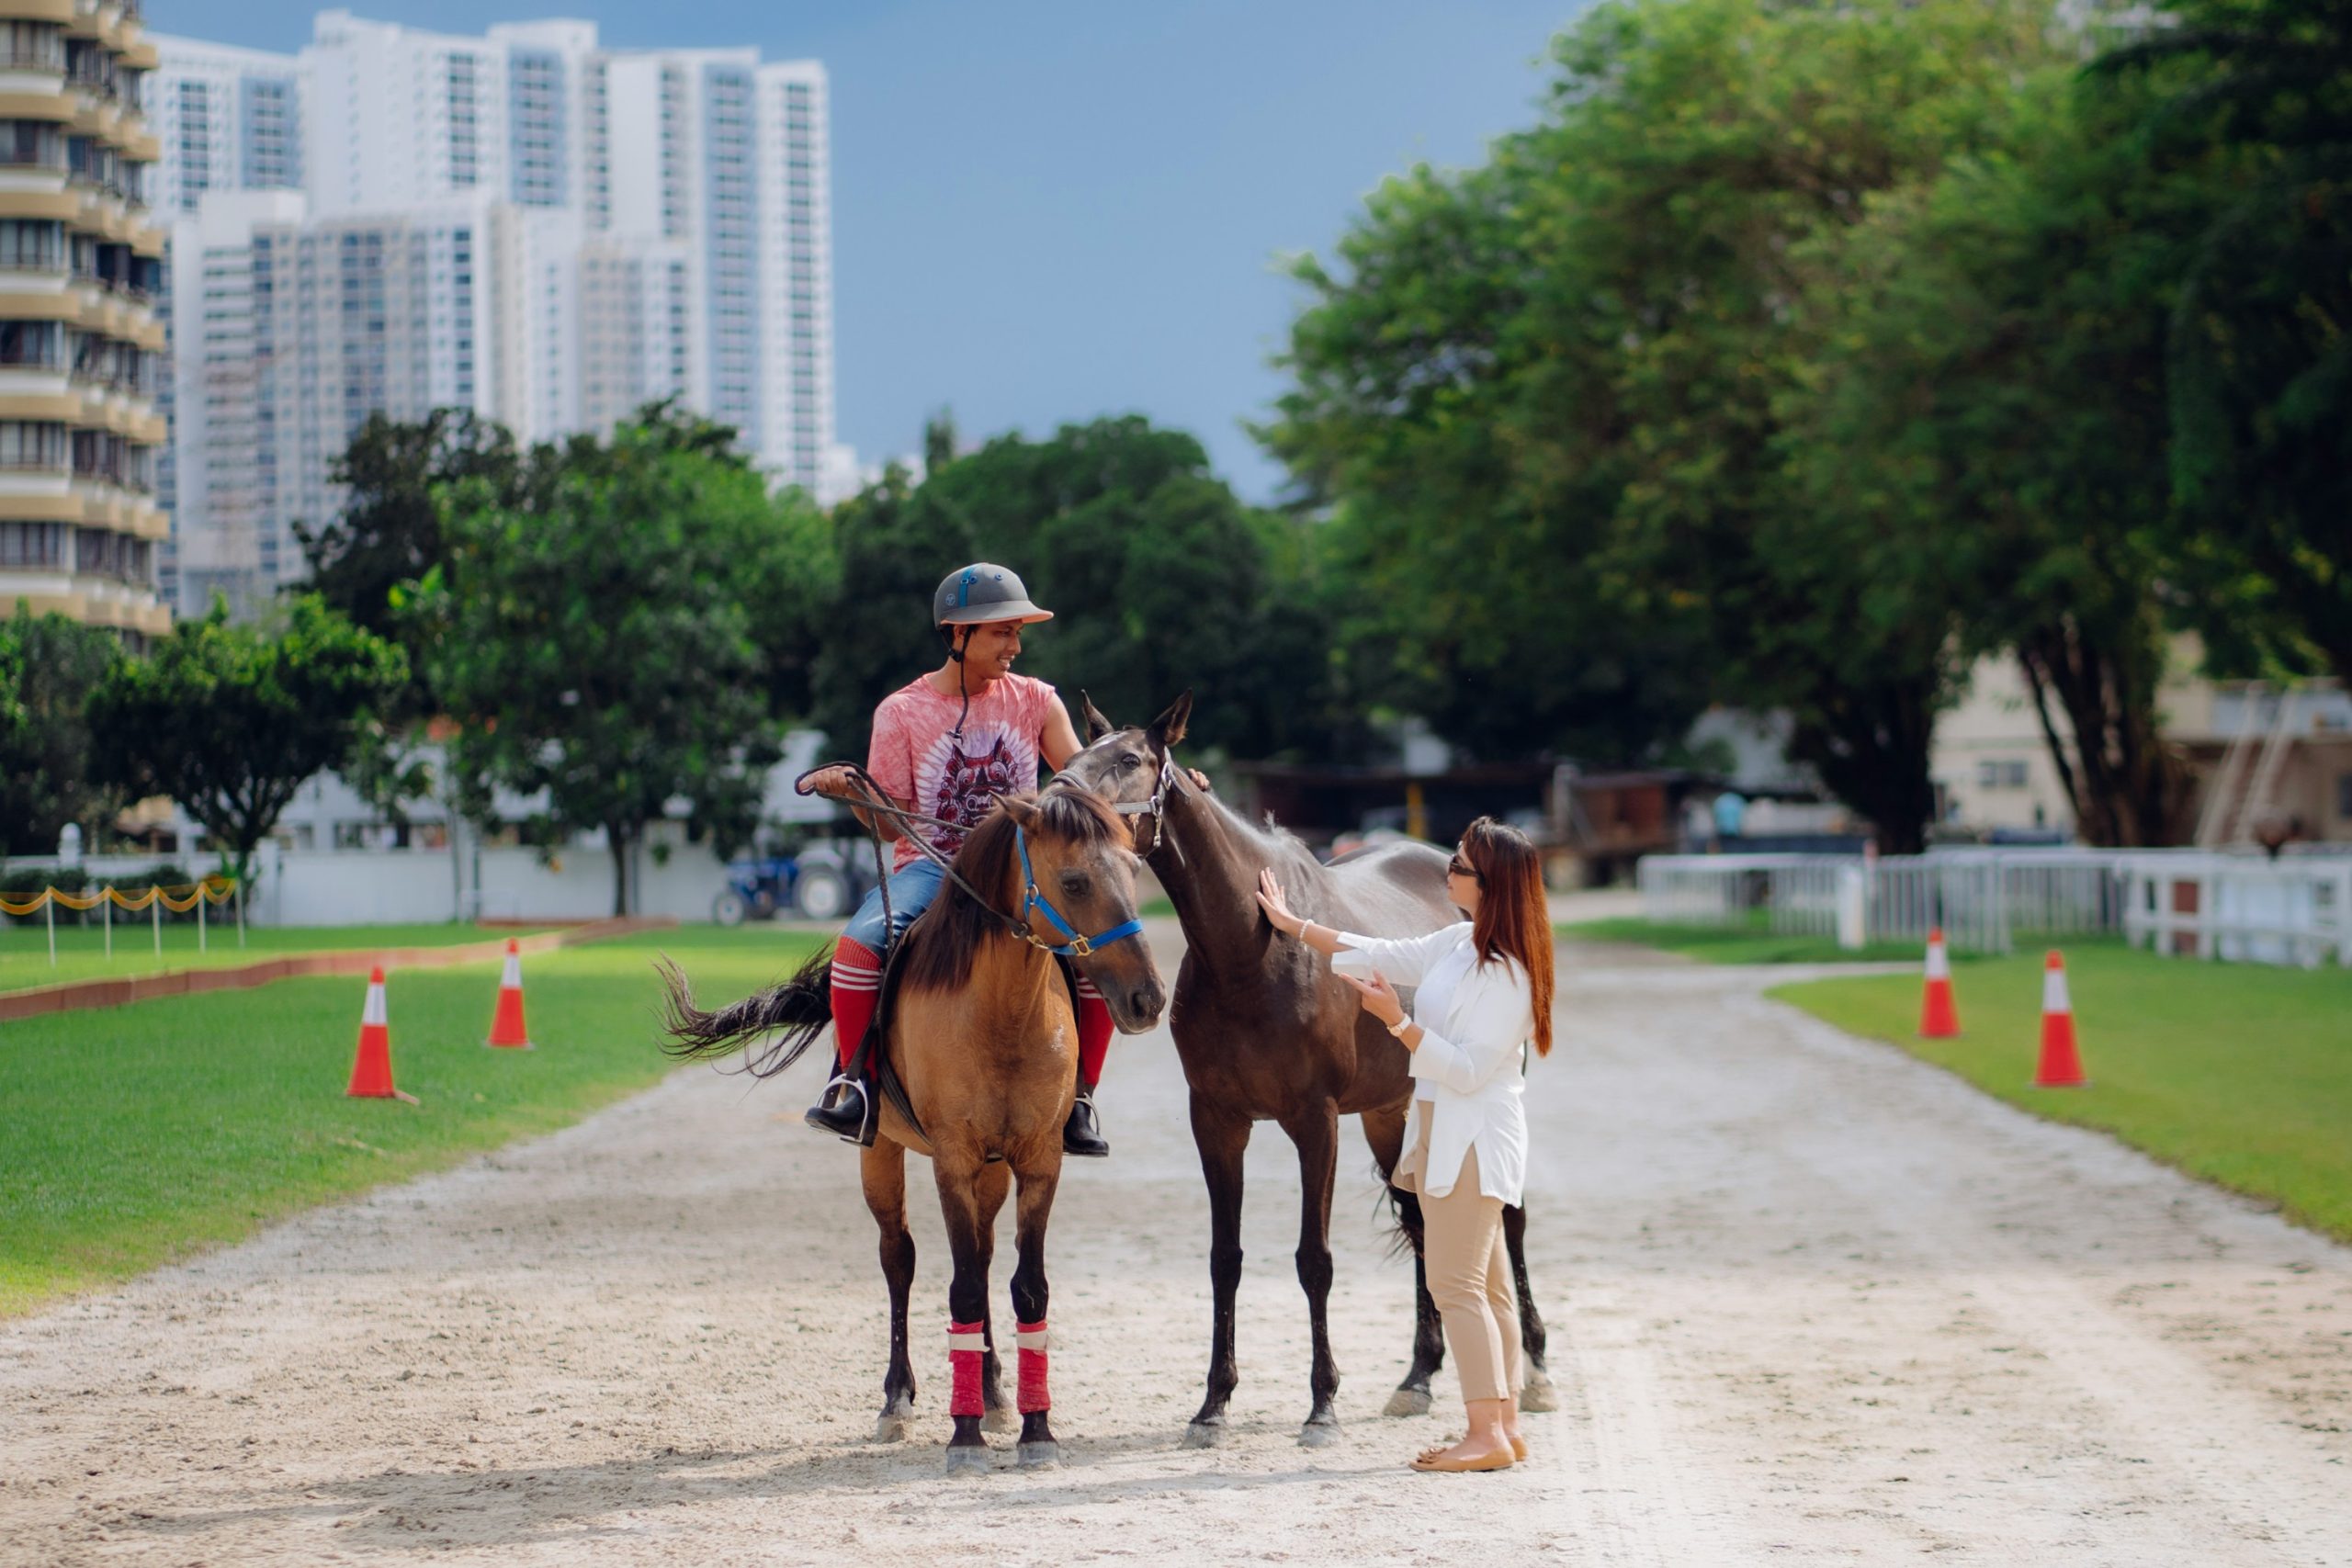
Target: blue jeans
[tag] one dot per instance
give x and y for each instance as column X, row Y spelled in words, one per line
column 912, row 888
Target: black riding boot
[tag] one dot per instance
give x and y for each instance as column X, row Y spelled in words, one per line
column 1082, row 1133
column 846, row 1109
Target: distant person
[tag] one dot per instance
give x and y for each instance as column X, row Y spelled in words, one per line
column 1731, row 812
column 1482, row 993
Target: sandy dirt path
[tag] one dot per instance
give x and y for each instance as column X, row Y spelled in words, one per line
column 1810, row 1302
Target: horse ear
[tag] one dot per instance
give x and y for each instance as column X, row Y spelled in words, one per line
column 1024, row 813
column 1097, row 726
column 1169, row 727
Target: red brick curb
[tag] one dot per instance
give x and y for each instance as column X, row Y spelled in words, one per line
column 77, row 995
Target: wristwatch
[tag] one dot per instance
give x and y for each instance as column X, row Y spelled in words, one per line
column 1402, row 1024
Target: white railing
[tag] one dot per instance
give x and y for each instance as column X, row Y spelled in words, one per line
column 2295, row 911
column 2194, row 903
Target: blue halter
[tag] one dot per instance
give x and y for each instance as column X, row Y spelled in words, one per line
column 1077, row 946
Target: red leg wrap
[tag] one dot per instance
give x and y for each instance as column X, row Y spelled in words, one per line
column 1033, row 1397
column 857, row 986
column 1093, row 1032
column 964, row 1343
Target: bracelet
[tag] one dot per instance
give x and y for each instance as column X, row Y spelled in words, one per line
column 1303, row 927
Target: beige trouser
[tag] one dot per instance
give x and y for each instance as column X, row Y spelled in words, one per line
column 1469, row 1272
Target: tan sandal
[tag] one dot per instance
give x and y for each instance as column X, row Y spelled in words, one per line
column 1435, row 1461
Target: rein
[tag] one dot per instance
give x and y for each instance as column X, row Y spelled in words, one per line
column 1075, row 946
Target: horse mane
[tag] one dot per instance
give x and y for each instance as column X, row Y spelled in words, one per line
column 941, row 945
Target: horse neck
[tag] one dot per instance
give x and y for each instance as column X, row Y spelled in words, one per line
column 1209, row 869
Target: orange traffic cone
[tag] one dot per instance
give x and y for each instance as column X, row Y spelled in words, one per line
column 1938, row 1019
column 371, row 1070
column 2061, row 1067
column 506, row 1025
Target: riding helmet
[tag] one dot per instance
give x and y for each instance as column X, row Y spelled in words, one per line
column 982, row 593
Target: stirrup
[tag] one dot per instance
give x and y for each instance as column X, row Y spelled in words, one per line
column 1082, row 1133
column 844, row 1110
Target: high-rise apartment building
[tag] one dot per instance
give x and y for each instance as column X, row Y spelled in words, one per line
column 80, row 262
column 645, row 225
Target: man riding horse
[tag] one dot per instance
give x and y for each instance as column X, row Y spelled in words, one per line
column 945, row 746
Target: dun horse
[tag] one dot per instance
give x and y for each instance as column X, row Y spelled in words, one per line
column 1267, row 1033
column 980, row 1033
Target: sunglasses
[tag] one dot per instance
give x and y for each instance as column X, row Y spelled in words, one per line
column 1457, row 866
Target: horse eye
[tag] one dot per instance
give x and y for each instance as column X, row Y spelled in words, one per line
column 1074, row 883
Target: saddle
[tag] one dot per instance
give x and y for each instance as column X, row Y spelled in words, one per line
column 871, row 1061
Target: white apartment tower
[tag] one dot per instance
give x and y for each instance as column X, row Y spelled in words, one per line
column 642, row 224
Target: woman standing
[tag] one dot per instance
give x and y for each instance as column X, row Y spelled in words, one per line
column 1484, row 991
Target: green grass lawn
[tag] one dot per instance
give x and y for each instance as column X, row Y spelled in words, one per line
column 135, row 1135
column 2239, row 1074
column 81, row 951
column 1752, row 943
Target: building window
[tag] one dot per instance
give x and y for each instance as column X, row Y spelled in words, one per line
column 2000, row 773
column 2343, row 796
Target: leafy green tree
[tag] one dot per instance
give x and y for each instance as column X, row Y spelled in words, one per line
column 1541, row 396
column 1994, row 383
column 2259, row 342
column 602, row 642
column 388, row 530
column 228, row 720
column 1160, row 576
column 48, row 667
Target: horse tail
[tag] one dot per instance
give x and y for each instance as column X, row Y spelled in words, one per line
column 1402, row 1226
column 795, row 1013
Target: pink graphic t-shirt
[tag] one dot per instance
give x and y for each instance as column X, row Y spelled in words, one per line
column 915, row 758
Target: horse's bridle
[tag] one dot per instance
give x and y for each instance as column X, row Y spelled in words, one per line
column 1032, row 900
column 1157, row 807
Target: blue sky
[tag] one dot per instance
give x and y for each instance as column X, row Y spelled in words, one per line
column 1047, row 211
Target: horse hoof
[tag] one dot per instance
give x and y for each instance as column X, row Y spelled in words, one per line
column 970, row 1460
column 891, row 1429
column 1047, row 1455
column 1408, row 1402
column 1318, row 1434
column 1538, row 1394
column 1204, row 1435
column 999, row 1420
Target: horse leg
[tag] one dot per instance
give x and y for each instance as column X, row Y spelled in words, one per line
column 967, row 1303
column 1222, row 1138
column 1385, row 1131
column 1029, row 1293
column 1537, row 1393
column 994, row 1182
column 1318, row 1138
column 884, row 1170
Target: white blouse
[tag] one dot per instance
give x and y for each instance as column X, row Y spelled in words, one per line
column 1476, row 1020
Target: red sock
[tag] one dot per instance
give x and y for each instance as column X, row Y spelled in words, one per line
column 857, row 986
column 1093, row 1032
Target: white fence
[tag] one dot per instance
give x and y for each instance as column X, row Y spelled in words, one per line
column 2194, row 903
column 2295, row 911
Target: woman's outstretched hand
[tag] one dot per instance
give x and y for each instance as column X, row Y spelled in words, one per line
column 1277, row 907
column 1380, row 998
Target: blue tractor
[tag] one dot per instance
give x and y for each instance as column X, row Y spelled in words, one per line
column 822, row 882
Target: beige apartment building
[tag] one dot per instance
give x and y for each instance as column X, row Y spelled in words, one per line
column 2256, row 750
column 81, row 346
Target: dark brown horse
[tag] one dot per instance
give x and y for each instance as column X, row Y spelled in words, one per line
column 982, row 1035
column 1268, row 1034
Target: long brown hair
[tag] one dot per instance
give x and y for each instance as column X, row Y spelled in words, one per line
column 1513, row 920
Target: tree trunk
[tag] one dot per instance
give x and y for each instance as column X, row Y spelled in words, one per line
column 1871, row 746
column 617, row 838
column 2126, row 786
